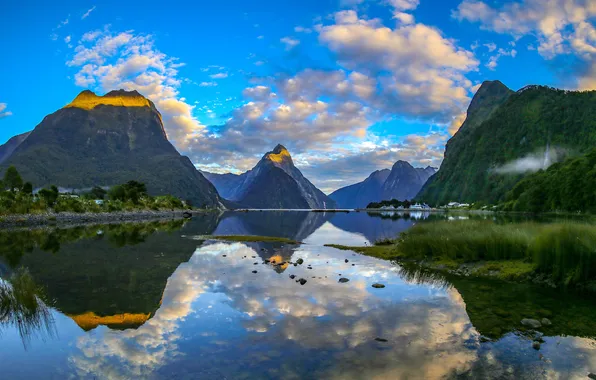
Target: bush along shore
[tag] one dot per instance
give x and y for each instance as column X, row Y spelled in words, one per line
column 21, row 206
column 556, row 255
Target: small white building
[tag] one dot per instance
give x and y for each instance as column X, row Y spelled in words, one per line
column 99, row 202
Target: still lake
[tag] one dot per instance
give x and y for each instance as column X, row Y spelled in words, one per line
column 156, row 300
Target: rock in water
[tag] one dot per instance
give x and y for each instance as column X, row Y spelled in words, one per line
column 302, row 281
column 187, row 215
column 383, row 340
column 299, row 261
column 536, row 345
column 592, row 376
column 532, row 323
column 343, row 279
column 292, row 276
column 378, row 286
column 545, row 322
column 254, row 271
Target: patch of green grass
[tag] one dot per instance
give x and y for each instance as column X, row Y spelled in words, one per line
column 507, row 269
column 564, row 251
column 387, row 252
column 251, row 238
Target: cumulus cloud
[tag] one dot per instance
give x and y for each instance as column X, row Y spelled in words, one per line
column 3, row 112
column 106, row 60
column 86, row 14
column 560, row 26
column 420, row 72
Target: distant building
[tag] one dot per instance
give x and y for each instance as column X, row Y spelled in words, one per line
column 99, row 202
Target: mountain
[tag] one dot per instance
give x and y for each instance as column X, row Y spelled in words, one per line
column 273, row 183
column 402, row 182
column 565, row 186
column 504, row 128
column 9, row 147
column 107, row 140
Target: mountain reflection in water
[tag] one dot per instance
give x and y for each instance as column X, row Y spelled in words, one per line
column 159, row 304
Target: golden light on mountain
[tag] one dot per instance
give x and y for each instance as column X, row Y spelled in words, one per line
column 87, row 100
column 90, row 320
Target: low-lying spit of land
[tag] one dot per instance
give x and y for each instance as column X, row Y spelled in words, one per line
column 557, row 254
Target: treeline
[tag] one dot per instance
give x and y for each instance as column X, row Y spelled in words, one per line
column 394, row 202
column 17, row 197
column 565, row 186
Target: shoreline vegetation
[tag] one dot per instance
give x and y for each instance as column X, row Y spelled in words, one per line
column 557, row 254
column 21, row 206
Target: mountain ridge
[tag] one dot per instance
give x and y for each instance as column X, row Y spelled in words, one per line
column 503, row 126
column 274, row 182
column 402, row 182
column 97, row 142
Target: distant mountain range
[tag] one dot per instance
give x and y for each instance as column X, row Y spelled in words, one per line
column 506, row 136
column 273, row 183
column 103, row 141
column 402, row 182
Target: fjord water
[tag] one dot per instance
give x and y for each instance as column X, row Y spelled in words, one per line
column 157, row 300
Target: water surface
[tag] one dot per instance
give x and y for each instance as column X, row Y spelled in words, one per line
column 152, row 301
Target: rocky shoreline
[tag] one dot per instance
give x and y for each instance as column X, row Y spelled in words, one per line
column 71, row 218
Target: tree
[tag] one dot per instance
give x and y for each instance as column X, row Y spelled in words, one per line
column 12, row 179
column 49, row 195
column 97, row 193
column 117, row 193
column 28, row 188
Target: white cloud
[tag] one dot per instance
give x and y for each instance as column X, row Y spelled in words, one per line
column 86, row 14
column 208, row 84
column 290, row 42
column 491, row 46
column 219, row 75
column 67, row 39
column 107, row 61
column 492, row 61
column 301, row 29
column 560, row 26
column 3, row 112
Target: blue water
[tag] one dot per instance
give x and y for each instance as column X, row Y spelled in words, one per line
column 216, row 319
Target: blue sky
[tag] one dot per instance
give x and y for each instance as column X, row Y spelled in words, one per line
column 349, row 86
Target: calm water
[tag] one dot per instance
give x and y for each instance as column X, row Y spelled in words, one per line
column 154, row 301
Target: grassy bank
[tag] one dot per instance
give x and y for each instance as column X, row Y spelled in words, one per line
column 250, row 238
column 558, row 253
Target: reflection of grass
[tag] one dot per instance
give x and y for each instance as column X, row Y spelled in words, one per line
column 250, row 238
column 22, row 305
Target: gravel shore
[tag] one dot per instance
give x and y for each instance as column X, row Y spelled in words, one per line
column 67, row 218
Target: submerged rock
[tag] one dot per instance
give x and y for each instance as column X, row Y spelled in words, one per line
column 381, row 340
column 302, row 281
column 378, row 286
column 254, row 271
column 546, row 322
column 187, row 215
column 299, row 261
column 532, row 323
column 343, row 279
column 292, row 276
column 536, row 345
column 347, row 260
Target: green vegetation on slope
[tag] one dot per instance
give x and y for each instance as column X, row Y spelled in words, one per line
column 525, row 123
column 565, row 186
